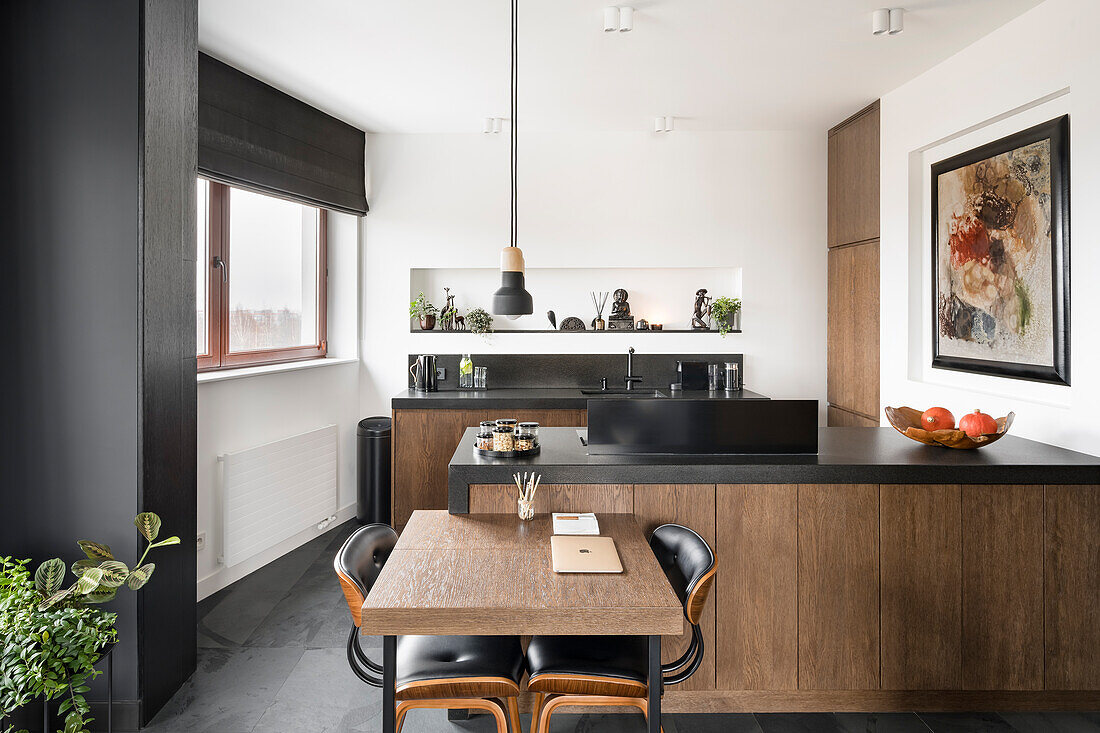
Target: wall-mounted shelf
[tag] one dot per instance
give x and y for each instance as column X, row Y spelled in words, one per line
column 589, row 330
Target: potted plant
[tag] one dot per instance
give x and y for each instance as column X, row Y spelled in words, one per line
column 52, row 636
column 424, row 311
column 727, row 314
column 478, row 321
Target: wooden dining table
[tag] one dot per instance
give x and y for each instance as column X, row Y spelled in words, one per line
column 492, row 574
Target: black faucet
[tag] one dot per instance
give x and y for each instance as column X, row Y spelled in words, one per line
column 630, row 379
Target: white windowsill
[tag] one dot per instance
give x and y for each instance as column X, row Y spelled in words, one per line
column 256, row 371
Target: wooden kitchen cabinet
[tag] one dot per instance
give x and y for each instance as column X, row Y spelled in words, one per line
column 423, row 442
column 1002, row 622
column 838, row 587
column 757, row 587
column 1072, row 587
column 691, row 505
column 853, row 338
column 921, row 555
column 854, row 178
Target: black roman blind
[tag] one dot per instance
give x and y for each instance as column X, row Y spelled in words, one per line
column 255, row 136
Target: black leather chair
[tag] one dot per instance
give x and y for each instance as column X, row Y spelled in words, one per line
column 468, row 672
column 612, row 670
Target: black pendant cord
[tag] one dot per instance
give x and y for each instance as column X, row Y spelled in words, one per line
column 514, row 149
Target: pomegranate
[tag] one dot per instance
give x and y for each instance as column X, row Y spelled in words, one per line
column 937, row 418
column 977, row 424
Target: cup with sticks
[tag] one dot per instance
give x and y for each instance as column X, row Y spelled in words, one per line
column 527, row 485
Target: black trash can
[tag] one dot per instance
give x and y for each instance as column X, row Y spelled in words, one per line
column 372, row 453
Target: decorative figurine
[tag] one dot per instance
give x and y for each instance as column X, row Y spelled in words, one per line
column 553, row 319
column 449, row 312
column 642, row 325
column 572, row 323
column 460, row 322
column 702, row 310
column 620, row 318
column 600, row 301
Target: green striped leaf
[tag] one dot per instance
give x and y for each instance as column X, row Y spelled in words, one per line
column 140, row 576
column 49, row 576
column 148, row 524
column 96, row 551
column 89, row 581
column 56, row 597
column 101, row 595
column 114, row 573
column 83, row 564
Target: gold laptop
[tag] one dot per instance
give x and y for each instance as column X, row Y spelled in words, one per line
column 584, row 554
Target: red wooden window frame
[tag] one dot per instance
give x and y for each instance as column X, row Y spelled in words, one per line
column 217, row 354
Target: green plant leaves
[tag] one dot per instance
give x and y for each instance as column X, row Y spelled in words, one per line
column 49, row 576
column 89, row 581
column 140, row 576
column 114, row 573
column 148, row 524
column 83, row 564
column 101, row 595
column 167, row 541
column 55, row 598
column 95, row 551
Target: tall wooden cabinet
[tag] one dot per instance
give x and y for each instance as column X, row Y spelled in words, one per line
column 853, row 301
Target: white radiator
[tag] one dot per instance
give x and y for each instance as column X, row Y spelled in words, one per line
column 274, row 491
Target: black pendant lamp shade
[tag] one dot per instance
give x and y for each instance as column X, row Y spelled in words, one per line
column 512, row 298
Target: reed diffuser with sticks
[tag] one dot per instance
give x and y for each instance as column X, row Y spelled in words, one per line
column 599, row 300
column 527, row 485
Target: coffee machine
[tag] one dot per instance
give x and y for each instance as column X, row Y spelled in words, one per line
column 423, row 373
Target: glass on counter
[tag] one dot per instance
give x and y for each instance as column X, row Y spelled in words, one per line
column 503, row 439
column 481, row 377
column 466, row 372
column 507, row 422
column 485, row 440
column 528, row 428
column 487, row 426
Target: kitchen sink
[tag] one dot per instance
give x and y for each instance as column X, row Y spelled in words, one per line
column 622, row 393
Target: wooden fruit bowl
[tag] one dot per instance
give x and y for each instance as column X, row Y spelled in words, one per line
column 907, row 421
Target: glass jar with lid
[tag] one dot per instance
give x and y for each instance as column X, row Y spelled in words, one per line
column 485, row 440
column 507, row 422
column 487, row 426
column 503, row 439
column 528, row 428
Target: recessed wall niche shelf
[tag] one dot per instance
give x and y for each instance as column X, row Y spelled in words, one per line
column 548, row 330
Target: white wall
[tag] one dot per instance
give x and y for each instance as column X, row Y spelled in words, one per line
column 1037, row 67
column 244, row 412
column 748, row 200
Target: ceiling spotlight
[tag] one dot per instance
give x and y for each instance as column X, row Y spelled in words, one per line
column 663, row 124
column 616, row 18
column 897, row 20
column 888, row 20
column 880, row 21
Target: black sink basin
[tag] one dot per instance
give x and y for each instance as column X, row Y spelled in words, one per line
column 622, row 393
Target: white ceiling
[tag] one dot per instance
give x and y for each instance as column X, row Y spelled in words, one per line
column 442, row 65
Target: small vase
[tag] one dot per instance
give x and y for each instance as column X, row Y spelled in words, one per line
column 526, row 510
column 427, row 323
column 600, row 324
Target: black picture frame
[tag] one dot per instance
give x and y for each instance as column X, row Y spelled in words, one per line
column 1057, row 131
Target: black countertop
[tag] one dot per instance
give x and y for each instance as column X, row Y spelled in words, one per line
column 535, row 398
column 846, row 456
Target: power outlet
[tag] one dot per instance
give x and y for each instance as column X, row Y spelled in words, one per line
column 200, row 542
column 441, row 373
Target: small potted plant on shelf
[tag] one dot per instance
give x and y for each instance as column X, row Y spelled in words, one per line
column 727, row 314
column 424, row 311
column 478, row 321
column 51, row 637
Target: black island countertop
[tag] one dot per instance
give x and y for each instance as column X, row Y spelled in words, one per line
column 846, row 456
column 537, row 398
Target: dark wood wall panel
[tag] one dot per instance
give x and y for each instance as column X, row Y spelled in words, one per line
column 599, row 498
column 1072, row 587
column 853, row 340
column 841, row 418
column 921, row 553
column 691, row 505
column 854, row 178
column 838, row 587
column 757, row 587
column 1002, row 587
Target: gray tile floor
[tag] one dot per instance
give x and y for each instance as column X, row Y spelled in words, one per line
column 272, row 660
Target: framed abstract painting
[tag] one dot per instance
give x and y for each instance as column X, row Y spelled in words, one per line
column 1000, row 257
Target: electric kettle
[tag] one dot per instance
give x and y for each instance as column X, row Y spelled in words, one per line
column 423, row 373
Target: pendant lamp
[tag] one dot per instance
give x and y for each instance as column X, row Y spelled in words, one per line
column 512, row 299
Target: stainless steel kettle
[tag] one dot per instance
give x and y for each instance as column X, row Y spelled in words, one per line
column 423, row 373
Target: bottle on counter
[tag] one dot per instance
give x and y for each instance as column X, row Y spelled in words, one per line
column 733, row 376
column 466, row 372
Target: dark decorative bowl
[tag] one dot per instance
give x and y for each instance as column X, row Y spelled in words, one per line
column 907, row 421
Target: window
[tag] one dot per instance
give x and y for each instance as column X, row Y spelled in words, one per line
column 260, row 280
